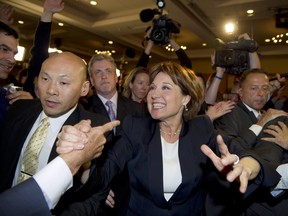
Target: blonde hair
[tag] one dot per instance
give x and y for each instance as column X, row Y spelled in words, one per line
column 130, row 79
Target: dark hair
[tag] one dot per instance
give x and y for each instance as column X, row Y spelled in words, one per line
column 246, row 73
column 188, row 82
column 7, row 30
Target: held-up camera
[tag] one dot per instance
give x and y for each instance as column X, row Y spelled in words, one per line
column 234, row 56
column 162, row 25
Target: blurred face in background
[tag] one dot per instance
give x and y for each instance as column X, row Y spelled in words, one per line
column 139, row 87
column 8, row 50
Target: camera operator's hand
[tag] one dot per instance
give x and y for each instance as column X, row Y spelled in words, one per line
column 174, row 45
column 150, row 43
column 220, row 70
column 277, row 83
column 253, row 56
column 244, row 36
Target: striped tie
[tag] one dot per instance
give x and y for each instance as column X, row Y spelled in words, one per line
column 29, row 163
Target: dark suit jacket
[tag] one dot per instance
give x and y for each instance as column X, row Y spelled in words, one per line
column 18, row 123
column 120, row 185
column 125, row 107
column 235, row 125
column 25, row 199
column 140, row 149
column 268, row 150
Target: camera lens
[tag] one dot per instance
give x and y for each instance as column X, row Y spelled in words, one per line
column 159, row 36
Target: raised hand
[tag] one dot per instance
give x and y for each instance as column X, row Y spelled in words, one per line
column 244, row 170
column 50, row 7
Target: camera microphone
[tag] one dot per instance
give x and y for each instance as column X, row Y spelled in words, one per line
column 148, row 14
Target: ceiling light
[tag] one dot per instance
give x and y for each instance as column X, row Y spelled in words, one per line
column 61, row 24
column 110, row 42
column 204, row 44
column 250, row 11
column 229, row 28
column 93, row 3
column 267, row 40
column 21, row 22
column 20, row 55
column 54, row 50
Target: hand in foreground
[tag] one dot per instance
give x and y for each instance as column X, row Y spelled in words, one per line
column 279, row 133
column 18, row 95
column 78, row 136
column 110, row 199
column 94, row 143
column 219, row 109
column 247, row 168
column 269, row 115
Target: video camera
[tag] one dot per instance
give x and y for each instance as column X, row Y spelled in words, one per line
column 234, row 56
column 162, row 25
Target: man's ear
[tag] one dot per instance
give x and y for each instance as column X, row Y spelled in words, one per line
column 85, row 88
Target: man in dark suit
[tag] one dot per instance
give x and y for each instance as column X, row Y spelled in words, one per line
column 103, row 77
column 242, row 122
column 34, row 197
column 62, row 81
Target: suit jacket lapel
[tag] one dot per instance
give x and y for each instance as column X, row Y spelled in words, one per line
column 155, row 165
column 250, row 113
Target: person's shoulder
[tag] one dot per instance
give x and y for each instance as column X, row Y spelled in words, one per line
column 96, row 119
column 23, row 105
column 126, row 100
column 201, row 121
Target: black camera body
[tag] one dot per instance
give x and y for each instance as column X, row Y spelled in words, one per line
column 162, row 29
column 234, row 56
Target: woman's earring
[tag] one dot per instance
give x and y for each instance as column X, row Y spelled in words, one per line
column 185, row 107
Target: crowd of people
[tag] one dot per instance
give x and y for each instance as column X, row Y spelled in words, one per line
column 165, row 145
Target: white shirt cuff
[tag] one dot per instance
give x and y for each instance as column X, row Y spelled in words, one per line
column 54, row 180
column 256, row 129
column 283, row 183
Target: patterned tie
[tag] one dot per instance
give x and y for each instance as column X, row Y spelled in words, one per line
column 29, row 163
column 111, row 112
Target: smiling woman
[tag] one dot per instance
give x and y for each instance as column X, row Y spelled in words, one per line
column 163, row 153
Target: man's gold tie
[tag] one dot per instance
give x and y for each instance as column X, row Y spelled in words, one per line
column 29, row 163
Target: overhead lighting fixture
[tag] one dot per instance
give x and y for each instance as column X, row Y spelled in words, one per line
column 250, row 12
column 93, row 3
column 204, row 44
column 106, row 52
column 54, row 50
column 20, row 55
column 280, row 38
column 110, row 42
column 21, row 22
column 230, row 27
column 61, row 24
